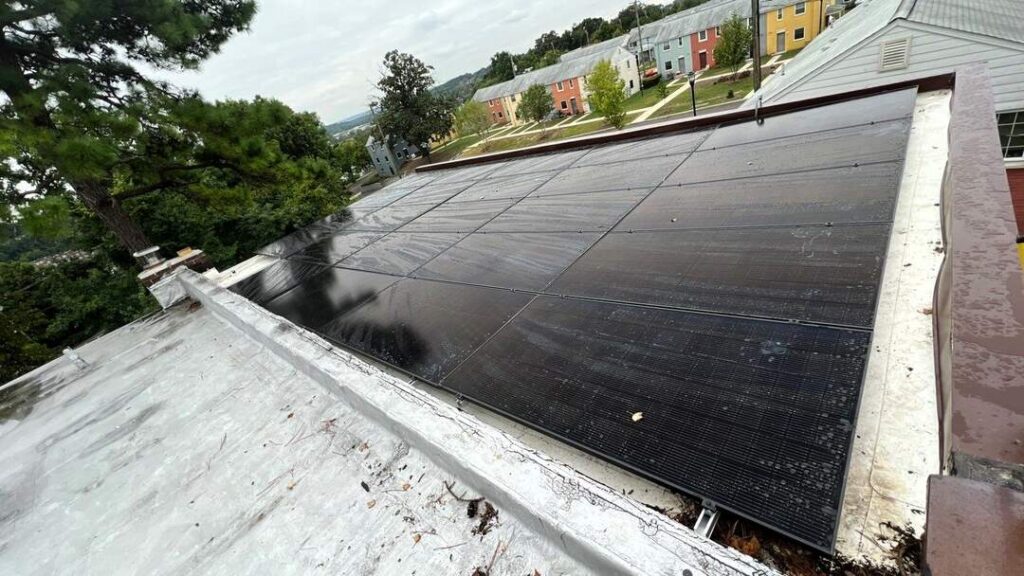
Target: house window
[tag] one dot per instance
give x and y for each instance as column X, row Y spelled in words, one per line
column 559, row 86
column 702, row 35
column 1011, row 133
column 800, row 8
column 778, row 14
column 680, row 40
column 564, row 105
column 500, row 115
column 666, row 46
column 798, row 34
column 718, row 31
column 630, row 84
column 570, row 82
column 668, row 64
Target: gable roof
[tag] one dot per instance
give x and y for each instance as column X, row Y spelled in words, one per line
column 998, row 19
column 579, row 63
column 699, row 18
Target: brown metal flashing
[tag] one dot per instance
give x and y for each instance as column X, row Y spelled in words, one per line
column 980, row 297
column 939, row 82
column 973, row 528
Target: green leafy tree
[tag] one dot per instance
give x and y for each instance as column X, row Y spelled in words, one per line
column 352, row 158
column 536, row 103
column 734, row 44
column 607, row 93
column 408, row 110
column 500, row 69
column 472, row 118
column 75, row 100
column 549, row 58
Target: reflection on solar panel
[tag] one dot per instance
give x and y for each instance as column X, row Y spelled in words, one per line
column 722, row 283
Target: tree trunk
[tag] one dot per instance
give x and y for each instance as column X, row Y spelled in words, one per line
column 113, row 216
column 15, row 84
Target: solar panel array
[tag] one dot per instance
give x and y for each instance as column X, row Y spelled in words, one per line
column 695, row 307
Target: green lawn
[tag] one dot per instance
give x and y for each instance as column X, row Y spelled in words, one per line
column 787, row 55
column 649, row 97
column 454, row 148
column 708, row 94
column 515, row 142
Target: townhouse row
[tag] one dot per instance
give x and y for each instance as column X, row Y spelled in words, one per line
column 676, row 44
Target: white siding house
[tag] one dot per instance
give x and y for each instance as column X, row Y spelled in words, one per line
column 886, row 41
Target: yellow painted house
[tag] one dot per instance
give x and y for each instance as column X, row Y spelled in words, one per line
column 790, row 25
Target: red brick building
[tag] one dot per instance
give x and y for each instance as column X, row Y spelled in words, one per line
column 1016, row 178
column 568, row 96
column 497, row 110
column 702, row 48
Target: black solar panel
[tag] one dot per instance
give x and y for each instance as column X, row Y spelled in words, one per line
column 696, row 307
column 425, row 328
column 459, row 217
column 328, row 295
column 400, row 252
column 861, row 194
column 275, row 279
column 753, row 413
column 336, row 247
column 593, row 212
column 820, row 274
column 527, row 261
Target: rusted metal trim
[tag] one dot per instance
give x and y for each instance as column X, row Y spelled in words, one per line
column 939, row 82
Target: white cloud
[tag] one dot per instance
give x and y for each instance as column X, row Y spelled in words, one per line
column 324, row 55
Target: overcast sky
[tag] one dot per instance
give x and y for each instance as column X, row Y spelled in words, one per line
column 324, row 55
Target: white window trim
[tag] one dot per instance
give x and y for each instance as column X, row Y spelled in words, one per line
column 718, row 31
column 702, row 36
column 559, row 86
column 800, row 9
column 778, row 14
column 570, row 82
column 680, row 40
column 666, row 46
column 800, row 29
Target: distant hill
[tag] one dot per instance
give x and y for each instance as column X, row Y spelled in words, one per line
column 461, row 87
column 348, row 123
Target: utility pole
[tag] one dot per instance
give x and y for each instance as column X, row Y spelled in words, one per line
column 639, row 44
column 755, row 10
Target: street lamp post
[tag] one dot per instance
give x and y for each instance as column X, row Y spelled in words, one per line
column 693, row 94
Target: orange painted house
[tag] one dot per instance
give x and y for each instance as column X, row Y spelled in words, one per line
column 568, row 96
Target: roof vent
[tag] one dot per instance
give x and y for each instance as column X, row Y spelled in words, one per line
column 894, row 54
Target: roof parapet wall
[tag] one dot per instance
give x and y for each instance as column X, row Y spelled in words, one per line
column 979, row 302
column 609, row 532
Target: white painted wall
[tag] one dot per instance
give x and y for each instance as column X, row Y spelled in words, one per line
column 932, row 51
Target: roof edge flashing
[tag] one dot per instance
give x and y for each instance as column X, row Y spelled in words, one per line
column 609, row 532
